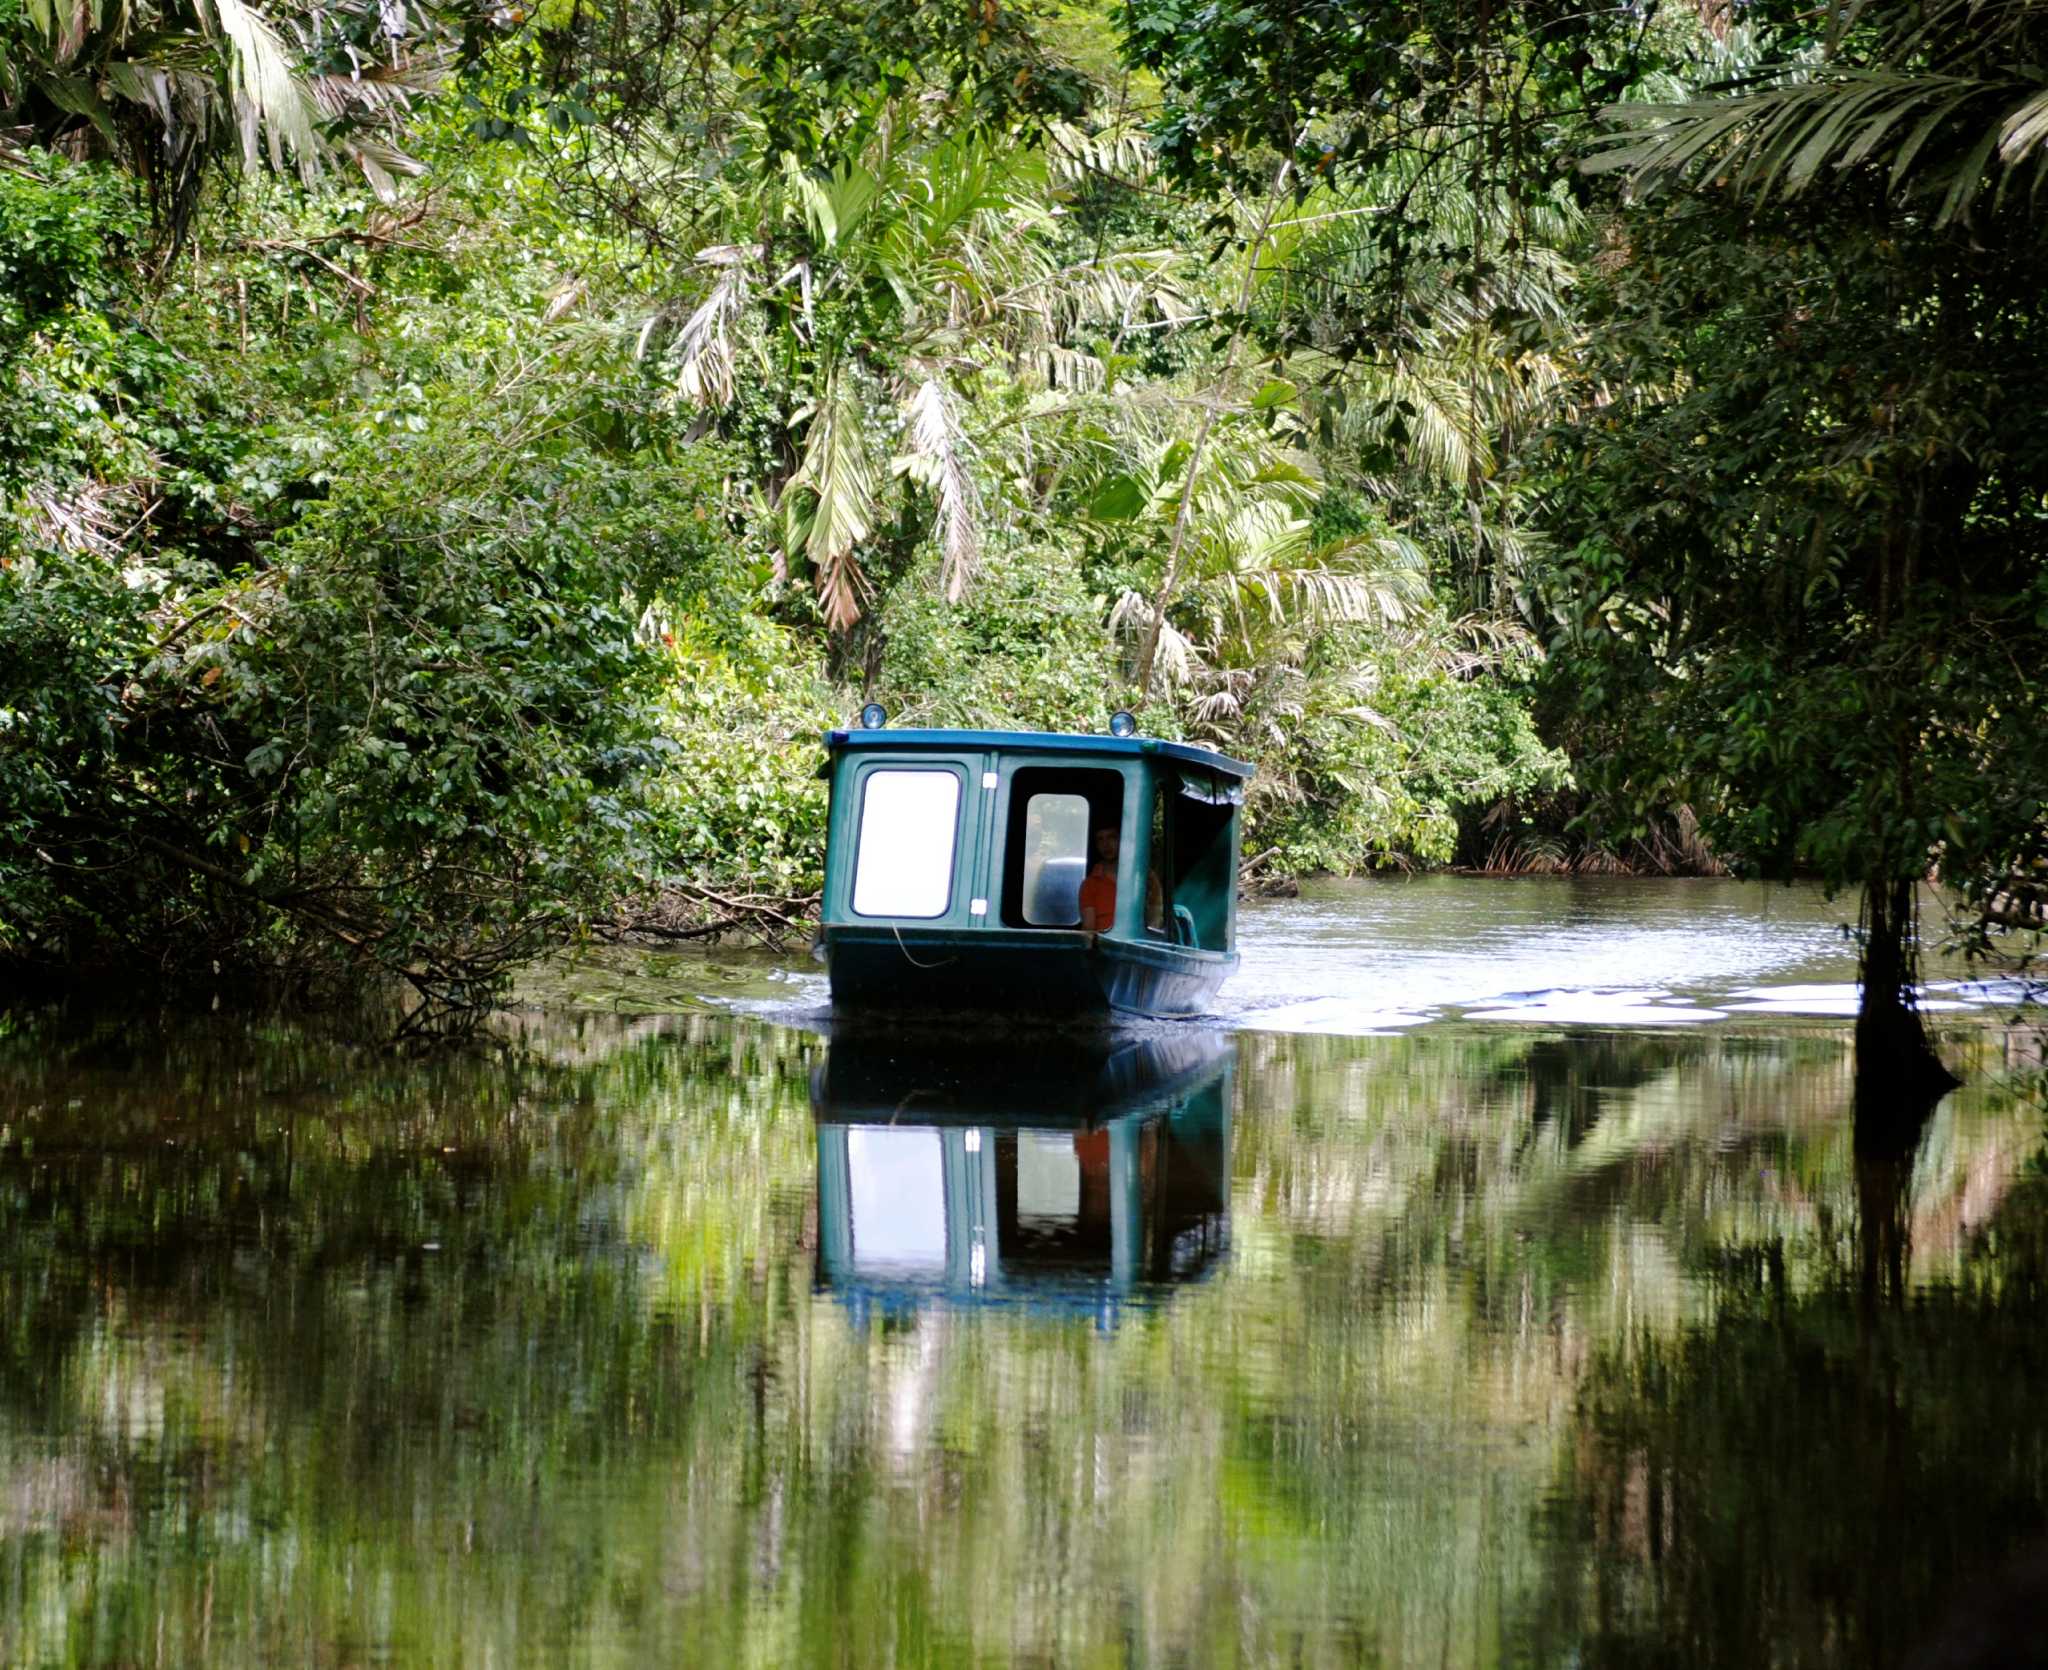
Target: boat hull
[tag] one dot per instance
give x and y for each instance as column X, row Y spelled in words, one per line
column 905, row 974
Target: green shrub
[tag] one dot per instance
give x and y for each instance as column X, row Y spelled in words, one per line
column 1027, row 649
column 424, row 731
column 741, row 803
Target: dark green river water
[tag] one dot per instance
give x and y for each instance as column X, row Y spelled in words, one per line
column 1498, row 1281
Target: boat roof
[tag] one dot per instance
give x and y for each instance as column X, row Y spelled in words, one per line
column 1040, row 742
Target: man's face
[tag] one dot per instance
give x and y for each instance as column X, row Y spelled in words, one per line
column 1106, row 845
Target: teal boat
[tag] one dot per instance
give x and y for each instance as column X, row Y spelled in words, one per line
column 957, row 872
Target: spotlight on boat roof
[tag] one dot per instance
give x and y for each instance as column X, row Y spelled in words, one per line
column 874, row 716
column 1122, row 723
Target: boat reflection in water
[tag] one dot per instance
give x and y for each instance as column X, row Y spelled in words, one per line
column 1066, row 1175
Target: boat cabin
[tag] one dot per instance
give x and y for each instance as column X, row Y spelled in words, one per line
column 959, row 862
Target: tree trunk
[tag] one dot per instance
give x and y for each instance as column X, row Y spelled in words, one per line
column 1899, row 1077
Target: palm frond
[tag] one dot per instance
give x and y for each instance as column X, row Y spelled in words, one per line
column 968, row 176
column 1317, row 590
column 270, row 100
column 1119, row 291
column 836, row 473
column 1489, row 641
column 937, row 461
column 1123, row 151
column 1944, row 100
column 1071, row 368
column 2025, row 129
column 380, row 164
column 1178, row 659
column 1260, row 536
column 705, row 356
column 85, row 517
column 376, row 89
column 1222, row 705
column 833, row 206
column 1430, row 407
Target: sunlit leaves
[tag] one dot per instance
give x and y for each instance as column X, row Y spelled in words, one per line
column 268, row 97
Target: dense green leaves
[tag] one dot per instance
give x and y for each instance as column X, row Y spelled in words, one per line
column 1806, row 594
column 424, row 729
column 412, row 582
column 1946, row 104
column 335, row 658
column 177, row 90
column 1757, row 463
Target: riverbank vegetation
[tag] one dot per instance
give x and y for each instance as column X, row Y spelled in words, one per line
column 453, row 461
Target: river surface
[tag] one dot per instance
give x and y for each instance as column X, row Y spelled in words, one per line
column 1496, row 1280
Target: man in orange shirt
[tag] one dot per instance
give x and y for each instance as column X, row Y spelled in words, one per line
column 1098, row 889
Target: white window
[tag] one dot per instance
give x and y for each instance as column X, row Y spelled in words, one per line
column 904, row 863
column 1055, row 859
column 897, row 1179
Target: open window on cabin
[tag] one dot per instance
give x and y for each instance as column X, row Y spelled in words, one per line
column 1054, row 813
column 1192, row 813
column 903, row 862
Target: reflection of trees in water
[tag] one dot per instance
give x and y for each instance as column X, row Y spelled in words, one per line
column 1478, row 1220
column 608, row 1412
column 1813, row 1475
column 1503, row 1133
column 272, row 1299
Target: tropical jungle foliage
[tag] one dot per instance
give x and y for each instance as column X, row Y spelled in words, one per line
column 454, row 460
